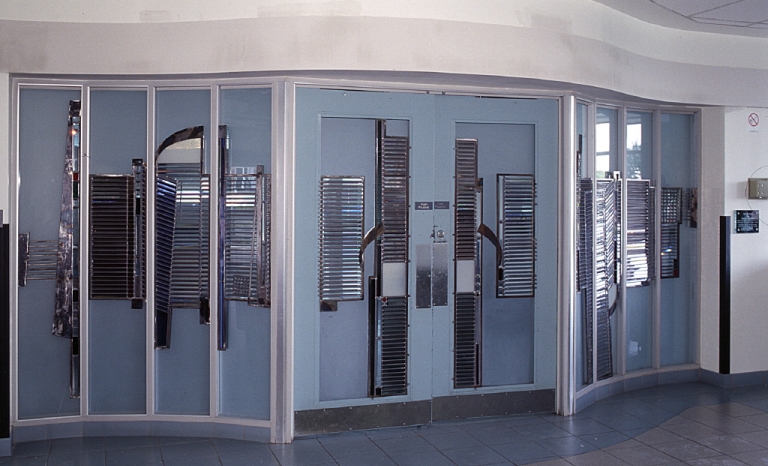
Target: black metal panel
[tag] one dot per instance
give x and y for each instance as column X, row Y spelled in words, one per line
column 318, row 421
column 725, row 294
column 165, row 215
column 671, row 218
column 5, row 343
column 113, row 241
column 492, row 404
column 466, row 352
column 394, row 347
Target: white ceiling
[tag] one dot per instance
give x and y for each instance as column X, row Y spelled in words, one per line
column 743, row 17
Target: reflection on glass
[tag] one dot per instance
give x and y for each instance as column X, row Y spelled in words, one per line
column 606, row 142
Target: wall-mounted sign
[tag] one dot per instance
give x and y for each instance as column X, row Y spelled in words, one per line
column 747, row 221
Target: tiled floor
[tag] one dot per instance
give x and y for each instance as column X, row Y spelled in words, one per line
column 686, row 424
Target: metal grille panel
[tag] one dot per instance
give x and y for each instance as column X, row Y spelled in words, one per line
column 585, row 275
column 517, row 195
column 113, row 237
column 394, row 199
column 190, row 264
column 639, row 260
column 671, row 218
column 165, row 214
column 37, row 259
column 341, row 236
column 246, row 241
column 466, row 353
column 605, row 247
column 393, row 376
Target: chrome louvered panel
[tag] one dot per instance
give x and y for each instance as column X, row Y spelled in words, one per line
column 671, row 218
column 246, row 253
column 37, row 259
column 585, row 275
column 516, row 203
column 260, row 283
column 392, row 346
column 190, row 264
column 466, row 354
column 341, row 236
column 639, row 247
column 113, row 237
column 165, row 221
column 390, row 364
column 605, row 247
column 465, row 227
column 466, row 345
column 65, row 278
column 140, row 232
column 393, row 178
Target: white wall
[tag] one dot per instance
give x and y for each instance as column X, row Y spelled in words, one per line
column 746, row 154
column 568, row 41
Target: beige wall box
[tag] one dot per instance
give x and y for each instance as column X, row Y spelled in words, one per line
column 758, row 188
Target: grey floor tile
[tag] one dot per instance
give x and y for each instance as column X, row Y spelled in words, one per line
column 567, row 446
column 122, row 443
column 686, row 450
column 235, row 451
column 423, row 458
column 753, row 458
column 354, row 449
column 642, row 456
column 758, row 438
column 717, row 461
column 496, row 434
column 519, row 452
column 546, row 462
column 606, row 439
column 692, row 429
column 583, row 426
column 735, row 409
column 474, row 456
column 760, row 419
column 656, row 436
column 451, row 440
column 404, row 445
column 541, row 431
column 138, row 456
column 379, row 459
column 26, row 449
column 77, row 458
column 301, row 453
column 199, row 461
column 77, row 444
column 179, row 452
column 595, row 458
column 341, row 438
column 729, row 444
column 25, row 461
column 381, row 434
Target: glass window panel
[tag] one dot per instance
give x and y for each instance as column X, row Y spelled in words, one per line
column 677, row 304
column 244, row 368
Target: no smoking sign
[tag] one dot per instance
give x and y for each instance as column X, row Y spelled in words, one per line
column 753, row 119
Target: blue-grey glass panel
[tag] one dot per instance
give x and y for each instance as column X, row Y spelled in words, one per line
column 678, row 170
column 117, row 358
column 117, row 333
column 43, row 359
column 507, row 323
column 117, row 130
column 182, row 372
column 244, row 368
column 348, row 148
column 187, row 392
column 639, row 311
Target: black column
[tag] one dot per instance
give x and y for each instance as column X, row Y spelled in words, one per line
column 5, row 344
column 725, row 294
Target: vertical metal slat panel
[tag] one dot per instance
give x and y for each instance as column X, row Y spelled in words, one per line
column 671, row 218
column 517, row 236
column 466, row 351
column 113, row 242
column 341, row 236
column 605, row 247
column 639, row 260
column 585, row 271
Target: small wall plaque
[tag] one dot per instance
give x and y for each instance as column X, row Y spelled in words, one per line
column 747, row 221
